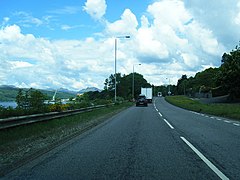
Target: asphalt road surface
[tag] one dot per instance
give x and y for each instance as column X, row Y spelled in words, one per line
column 160, row 141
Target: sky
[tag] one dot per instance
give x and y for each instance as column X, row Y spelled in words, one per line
column 71, row 44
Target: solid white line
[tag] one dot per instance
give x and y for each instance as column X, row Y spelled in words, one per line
column 236, row 124
column 168, row 124
column 211, row 165
column 160, row 114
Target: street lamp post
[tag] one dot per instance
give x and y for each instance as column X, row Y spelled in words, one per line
column 133, row 83
column 115, row 50
column 169, row 91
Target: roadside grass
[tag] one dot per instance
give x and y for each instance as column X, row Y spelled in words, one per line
column 219, row 109
column 50, row 127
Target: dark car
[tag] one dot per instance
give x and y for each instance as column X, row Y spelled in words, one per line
column 141, row 100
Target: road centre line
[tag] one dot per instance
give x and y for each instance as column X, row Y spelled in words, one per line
column 165, row 120
column 168, row 124
column 205, row 160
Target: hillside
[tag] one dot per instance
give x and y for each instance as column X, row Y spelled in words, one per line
column 9, row 93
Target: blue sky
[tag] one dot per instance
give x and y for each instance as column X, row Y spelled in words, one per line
column 70, row 44
column 48, row 18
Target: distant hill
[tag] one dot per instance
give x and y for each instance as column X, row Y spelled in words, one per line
column 9, row 93
column 67, row 91
column 88, row 89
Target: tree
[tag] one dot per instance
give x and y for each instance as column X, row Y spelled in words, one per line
column 181, row 85
column 36, row 100
column 20, row 99
column 229, row 75
column 124, row 84
column 30, row 100
column 207, row 77
column 110, row 82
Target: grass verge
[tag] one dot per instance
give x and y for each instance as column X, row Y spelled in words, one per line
column 19, row 144
column 220, row 109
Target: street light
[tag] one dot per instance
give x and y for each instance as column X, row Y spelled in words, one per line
column 119, row 37
column 169, row 92
column 133, row 82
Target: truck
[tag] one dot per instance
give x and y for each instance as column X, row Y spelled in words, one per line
column 159, row 94
column 148, row 93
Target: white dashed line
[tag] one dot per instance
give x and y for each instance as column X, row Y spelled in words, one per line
column 219, row 119
column 212, row 117
column 168, row 124
column 236, row 124
column 165, row 119
column 227, row 121
column 205, row 160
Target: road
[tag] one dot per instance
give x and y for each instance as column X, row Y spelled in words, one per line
column 160, row 141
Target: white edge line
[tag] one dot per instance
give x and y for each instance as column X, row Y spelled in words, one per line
column 236, row 124
column 168, row 124
column 227, row 121
column 211, row 165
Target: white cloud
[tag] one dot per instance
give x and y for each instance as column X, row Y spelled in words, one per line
column 18, row 45
column 95, row 8
column 220, row 17
column 66, row 10
column 125, row 26
column 204, row 39
column 20, row 64
column 237, row 18
column 175, row 28
column 66, row 27
column 26, row 19
column 170, row 13
column 144, row 22
column 72, row 64
column 190, row 60
column 5, row 20
column 149, row 47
